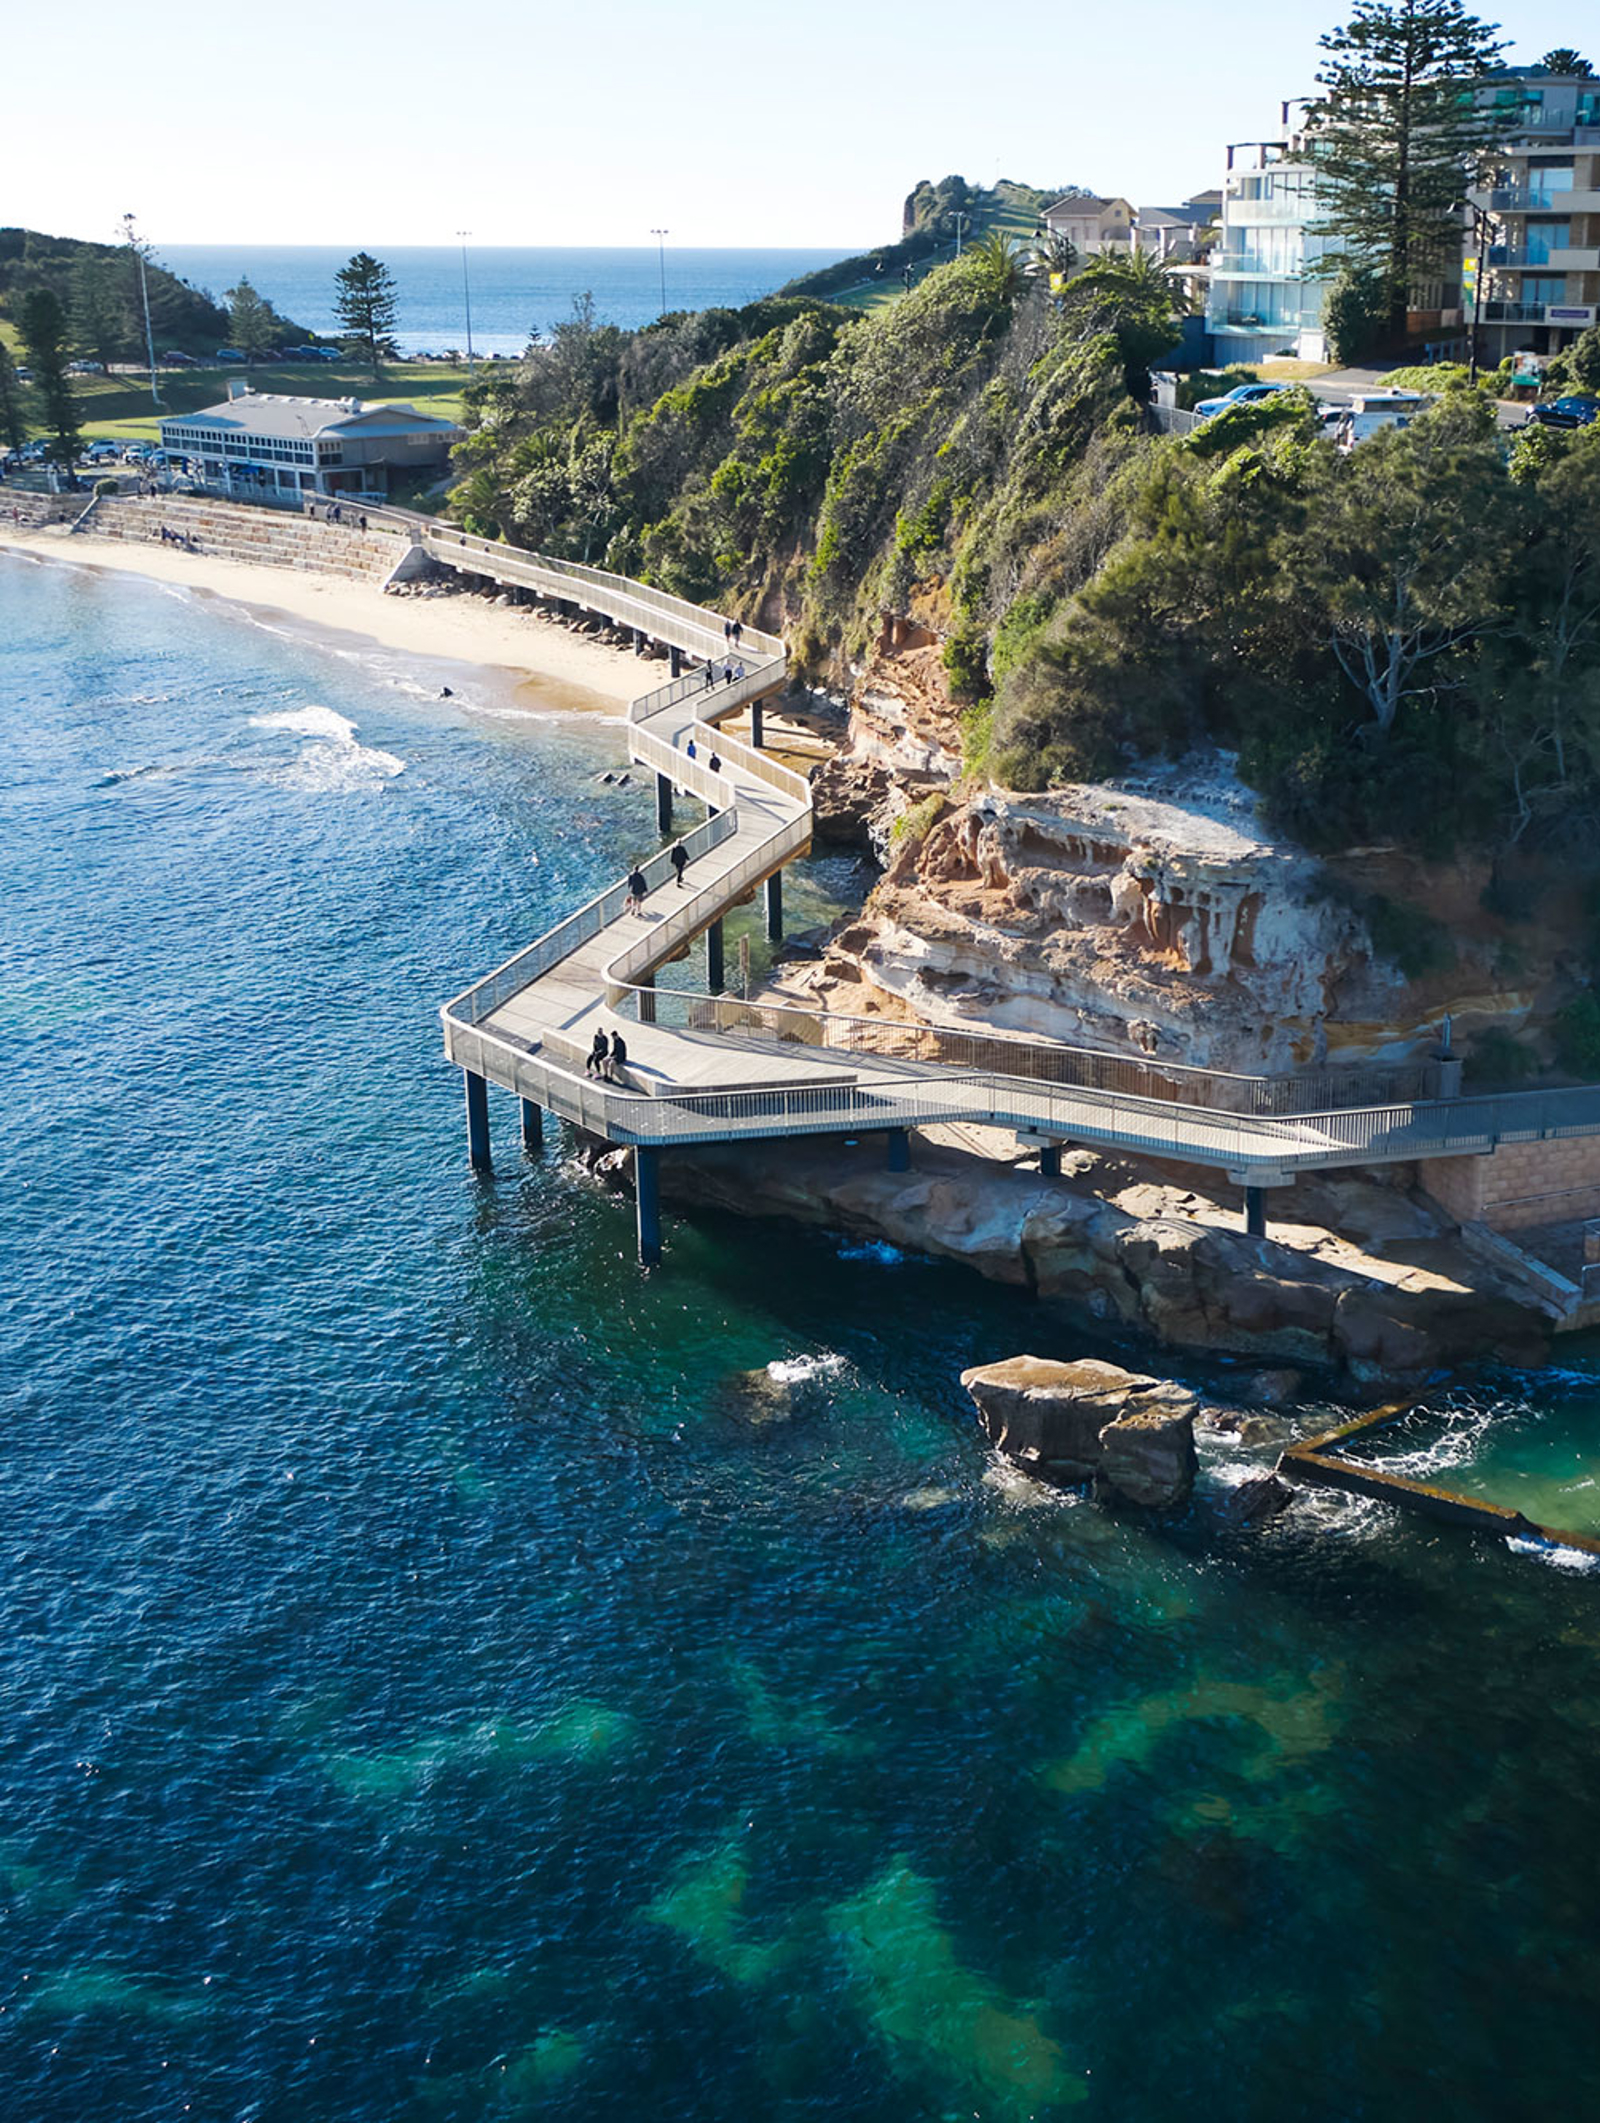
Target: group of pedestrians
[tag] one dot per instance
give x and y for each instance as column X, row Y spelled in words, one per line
column 730, row 671
column 608, row 1058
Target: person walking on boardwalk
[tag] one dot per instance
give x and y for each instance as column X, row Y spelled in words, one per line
column 680, row 862
column 690, row 751
column 619, row 1058
column 736, row 632
column 637, row 889
column 599, row 1055
column 714, row 763
column 711, row 674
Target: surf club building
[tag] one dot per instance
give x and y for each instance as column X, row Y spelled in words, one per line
column 260, row 446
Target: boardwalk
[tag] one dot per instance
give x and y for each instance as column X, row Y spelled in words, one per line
column 710, row 1068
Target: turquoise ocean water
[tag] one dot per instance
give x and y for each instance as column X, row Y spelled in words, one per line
column 445, row 1676
column 514, row 292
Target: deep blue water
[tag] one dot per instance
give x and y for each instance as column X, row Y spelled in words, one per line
column 439, row 1681
column 514, row 292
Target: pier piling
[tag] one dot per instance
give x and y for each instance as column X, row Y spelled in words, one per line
column 1255, row 1211
column 477, row 1090
column 775, row 908
column 647, row 1196
column 663, row 803
column 755, row 725
column 1050, row 1161
column 899, row 1150
column 716, row 972
column 676, row 654
column 532, row 1125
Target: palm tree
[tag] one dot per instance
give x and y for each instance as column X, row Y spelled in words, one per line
column 997, row 263
column 1134, row 281
column 1054, row 254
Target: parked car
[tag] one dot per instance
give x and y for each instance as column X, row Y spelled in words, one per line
column 1241, row 394
column 230, row 353
column 135, row 452
column 86, row 368
column 100, row 453
column 1372, row 410
column 1578, row 411
column 172, row 359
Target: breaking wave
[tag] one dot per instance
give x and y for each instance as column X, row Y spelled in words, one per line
column 332, row 761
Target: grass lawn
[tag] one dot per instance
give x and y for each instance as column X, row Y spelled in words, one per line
column 1286, row 371
column 1000, row 210
column 118, row 408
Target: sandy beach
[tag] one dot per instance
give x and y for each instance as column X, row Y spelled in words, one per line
column 542, row 663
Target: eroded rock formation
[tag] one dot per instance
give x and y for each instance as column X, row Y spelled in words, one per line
column 1087, row 1420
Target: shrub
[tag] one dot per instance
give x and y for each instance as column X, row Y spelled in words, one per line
column 1410, row 936
column 1498, row 1062
column 1354, row 315
column 916, row 824
column 1578, row 1036
column 103, row 487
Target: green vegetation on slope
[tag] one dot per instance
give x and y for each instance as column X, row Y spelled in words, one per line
column 1402, row 642
column 97, row 285
column 928, row 237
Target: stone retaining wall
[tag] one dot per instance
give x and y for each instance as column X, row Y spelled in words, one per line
column 1519, row 1185
column 266, row 537
column 25, row 511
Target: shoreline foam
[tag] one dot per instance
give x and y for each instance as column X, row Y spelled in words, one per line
column 531, row 661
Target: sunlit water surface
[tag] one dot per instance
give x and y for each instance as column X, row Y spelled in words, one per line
column 446, row 1675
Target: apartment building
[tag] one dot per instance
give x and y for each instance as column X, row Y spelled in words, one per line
column 1264, row 297
column 1540, row 244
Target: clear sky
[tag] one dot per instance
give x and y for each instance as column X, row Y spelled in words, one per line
column 593, row 124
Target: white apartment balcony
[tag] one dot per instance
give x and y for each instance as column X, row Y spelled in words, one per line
column 1237, row 265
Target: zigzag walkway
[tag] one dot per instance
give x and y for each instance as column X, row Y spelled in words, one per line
column 710, row 1068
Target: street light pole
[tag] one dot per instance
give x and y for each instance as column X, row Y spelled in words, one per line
column 661, row 236
column 466, row 290
column 962, row 221
column 131, row 234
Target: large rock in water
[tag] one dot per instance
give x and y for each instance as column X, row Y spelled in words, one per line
column 1069, row 1422
column 1148, row 1455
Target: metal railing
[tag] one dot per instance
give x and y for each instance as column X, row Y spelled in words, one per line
column 1002, row 1055
column 618, row 596
column 486, row 996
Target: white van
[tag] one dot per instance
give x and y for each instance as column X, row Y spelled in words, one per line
column 1381, row 409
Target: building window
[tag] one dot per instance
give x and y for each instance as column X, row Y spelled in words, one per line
column 1537, row 288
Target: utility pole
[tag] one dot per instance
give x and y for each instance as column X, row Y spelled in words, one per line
column 466, row 290
column 661, row 236
column 963, row 221
column 140, row 250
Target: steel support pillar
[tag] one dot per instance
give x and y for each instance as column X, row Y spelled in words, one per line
column 477, row 1091
column 647, row 1199
column 1050, row 1161
column 755, row 724
column 899, row 1150
column 676, row 655
column 638, row 641
column 663, row 803
column 1255, row 1211
column 775, row 908
column 647, row 999
column 716, row 972
column 532, row 1125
